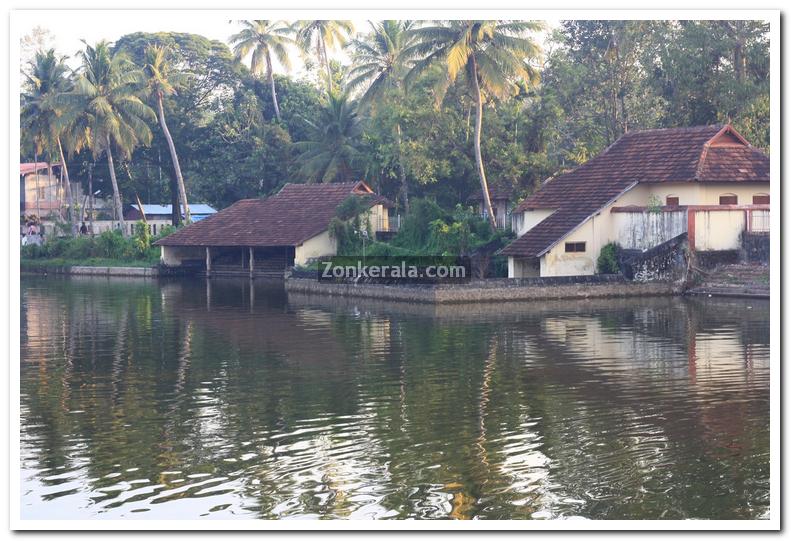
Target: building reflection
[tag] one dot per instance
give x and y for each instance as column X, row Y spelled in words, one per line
column 250, row 401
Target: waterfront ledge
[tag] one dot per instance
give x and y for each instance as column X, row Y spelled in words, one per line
column 143, row 272
column 493, row 290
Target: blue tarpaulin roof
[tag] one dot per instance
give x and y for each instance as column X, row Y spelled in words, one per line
column 195, row 209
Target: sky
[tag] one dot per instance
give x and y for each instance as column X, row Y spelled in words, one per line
column 68, row 28
column 68, row 37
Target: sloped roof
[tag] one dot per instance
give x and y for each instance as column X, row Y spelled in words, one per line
column 289, row 218
column 195, row 208
column 32, row 167
column 700, row 154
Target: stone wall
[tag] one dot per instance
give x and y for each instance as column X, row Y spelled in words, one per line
column 500, row 290
column 142, row 272
column 666, row 262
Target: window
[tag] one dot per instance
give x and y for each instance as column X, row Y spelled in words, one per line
column 729, row 199
column 671, row 201
column 575, row 247
column 761, row 199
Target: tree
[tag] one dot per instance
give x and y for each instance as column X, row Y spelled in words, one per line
column 37, row 40
column 379, row 65
column 46, row 79
column 332, row 150
column 713, row 72
column 106, row 92
column 263, row 39
column 321, row 36
column 212, row 80
column 492, row 55
column 161, row 81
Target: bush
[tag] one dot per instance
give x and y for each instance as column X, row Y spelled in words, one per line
column 607, row 263
column 109, row 247
column 416, row 225
column 111, row 244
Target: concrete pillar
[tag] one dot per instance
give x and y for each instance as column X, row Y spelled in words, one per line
column 691, row 229
column 252, row 262
column 208, row 262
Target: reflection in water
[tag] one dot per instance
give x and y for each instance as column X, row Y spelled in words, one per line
column 180, row 400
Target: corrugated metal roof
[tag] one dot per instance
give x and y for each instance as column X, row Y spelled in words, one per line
column 195, row 208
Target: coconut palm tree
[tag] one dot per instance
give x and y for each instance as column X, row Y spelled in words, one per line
column 264, row 39
column 46, row 78
column 379, row 66
column 161, row 80
column 492, row 55
column 331, row 152
column 321, row 36
column 106, row 95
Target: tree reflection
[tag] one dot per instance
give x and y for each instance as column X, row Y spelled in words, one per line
column 141, row 396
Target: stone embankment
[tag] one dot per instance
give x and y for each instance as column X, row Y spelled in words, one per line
column 496, row 290
column 142, row 272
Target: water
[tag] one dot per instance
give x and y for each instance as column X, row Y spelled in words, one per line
column 179, row 399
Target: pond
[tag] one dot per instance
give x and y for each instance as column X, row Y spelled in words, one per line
column 178, row 399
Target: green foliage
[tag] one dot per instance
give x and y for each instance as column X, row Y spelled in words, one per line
column 350, row 220
column 352, row 207
column 598, row 79
column 415, row 226
column 332, row 150
column 654, row 205
column 142, row 237
column 109, row 246
column 607, row 263
column 460, row 232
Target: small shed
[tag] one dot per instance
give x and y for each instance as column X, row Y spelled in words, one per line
column 263, row 237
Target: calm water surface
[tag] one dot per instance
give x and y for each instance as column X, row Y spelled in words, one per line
column 177, row 399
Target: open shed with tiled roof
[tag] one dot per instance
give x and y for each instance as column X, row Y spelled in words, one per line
column 704, row 165
column 265, row 236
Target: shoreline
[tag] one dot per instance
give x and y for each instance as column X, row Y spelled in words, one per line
column 85, row 270
column 500, row 291
column 487, row 291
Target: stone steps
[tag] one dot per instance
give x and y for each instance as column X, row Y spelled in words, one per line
column 737, row 280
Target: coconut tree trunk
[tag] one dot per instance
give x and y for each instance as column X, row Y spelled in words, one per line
column 69, row 195
column 90, row 194
column 38, row 190
column 326, row 64
column 174, row 157
column 478, row 159
column 119, row 209
column 49, row 176
column 402, row 171
column 271, row 76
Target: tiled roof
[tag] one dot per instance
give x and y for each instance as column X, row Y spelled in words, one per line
column 699, row 154
column 292, row 216
column 32, row 167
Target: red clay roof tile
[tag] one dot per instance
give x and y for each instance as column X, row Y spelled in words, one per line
column 663, row 155
column 289, row 218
